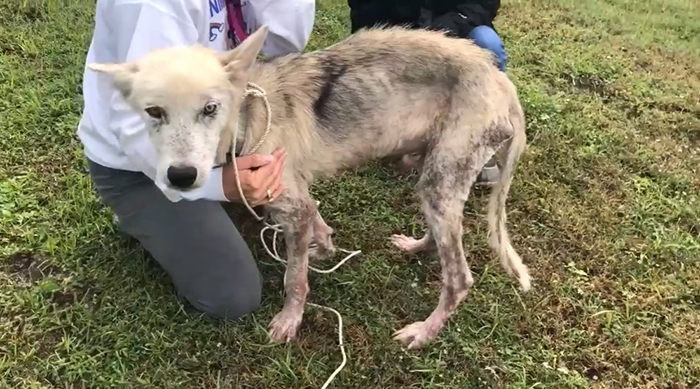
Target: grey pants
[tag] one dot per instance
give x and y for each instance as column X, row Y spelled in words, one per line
column 194, row 241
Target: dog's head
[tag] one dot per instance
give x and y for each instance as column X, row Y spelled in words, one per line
column 186, row 96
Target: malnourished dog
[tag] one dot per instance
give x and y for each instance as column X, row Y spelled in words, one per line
column 379, row 93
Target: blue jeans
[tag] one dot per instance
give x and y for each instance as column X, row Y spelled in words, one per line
column 486, row 37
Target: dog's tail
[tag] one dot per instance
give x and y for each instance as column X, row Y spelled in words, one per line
column 499, row 239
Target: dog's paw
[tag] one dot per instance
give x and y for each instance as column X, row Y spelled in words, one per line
column 408, row 244
column 283, row 327
column 415, row 335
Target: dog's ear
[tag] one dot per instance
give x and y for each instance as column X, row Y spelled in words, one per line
column 237, row 62
column 122, row 74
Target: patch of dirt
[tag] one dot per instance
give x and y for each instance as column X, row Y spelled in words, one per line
column 361, row 344
column 593, row 83
column 592, row 373
column 632, row 110
column 669, row 107
column 642, row 64
column 84, row 293
column 48, row 166
column 8, row 49
column 318, row 330
column 63, row 298
column 29, row 266
column 32, row 268
column 691, row 132
column 671, row 63
column 48, row 343
column 635, row 109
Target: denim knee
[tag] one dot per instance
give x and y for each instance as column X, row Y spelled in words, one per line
column 486, row 37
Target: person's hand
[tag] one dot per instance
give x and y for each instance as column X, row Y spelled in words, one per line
column 258, row 174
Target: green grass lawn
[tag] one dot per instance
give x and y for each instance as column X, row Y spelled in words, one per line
column 604, row 209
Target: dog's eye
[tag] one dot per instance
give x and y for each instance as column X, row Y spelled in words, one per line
column 209, row 109
column 155, row 112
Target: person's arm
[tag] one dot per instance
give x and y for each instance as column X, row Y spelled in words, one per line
column 467, row 15
column 290, row 23
column 139, row 27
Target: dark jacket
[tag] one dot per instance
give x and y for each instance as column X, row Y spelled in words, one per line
column 457, row 17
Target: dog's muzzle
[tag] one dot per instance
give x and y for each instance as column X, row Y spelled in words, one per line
column 182, row 177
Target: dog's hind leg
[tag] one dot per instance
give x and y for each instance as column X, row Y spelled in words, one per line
column 296, row 215
column 322, row 244
column 409, row 162
column 444, row 186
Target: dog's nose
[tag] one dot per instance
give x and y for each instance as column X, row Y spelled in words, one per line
column 182, row 177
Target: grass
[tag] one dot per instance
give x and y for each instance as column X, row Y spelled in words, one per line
column 604, row 209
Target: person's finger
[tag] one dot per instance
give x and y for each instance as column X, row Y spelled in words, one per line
column 272, row 186
column 277, row 181
column 262, row 183
column 260, row 195
column 266, row 193
column 277, row 192
column 253, row 161
column 275, row 175
column 263, row 178
column 231, row 186
column 278, row 152
column 264, row 196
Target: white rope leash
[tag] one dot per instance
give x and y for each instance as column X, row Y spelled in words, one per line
column 257, row 91
column 273, row 253
column 276, row 228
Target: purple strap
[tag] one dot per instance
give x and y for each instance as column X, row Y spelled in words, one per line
column 234, row 12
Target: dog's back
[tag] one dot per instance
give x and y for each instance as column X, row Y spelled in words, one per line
column 383, row 91
column 395, row 79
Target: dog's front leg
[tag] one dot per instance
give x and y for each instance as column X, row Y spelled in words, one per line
column 297, row 219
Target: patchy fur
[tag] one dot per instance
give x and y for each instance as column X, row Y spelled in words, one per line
column 381, row 93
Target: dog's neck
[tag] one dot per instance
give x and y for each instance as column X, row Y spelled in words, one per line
column 292, row 123
column 251, row 122
column 242, row 126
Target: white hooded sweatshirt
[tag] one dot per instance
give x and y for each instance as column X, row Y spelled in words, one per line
column 113, row 135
